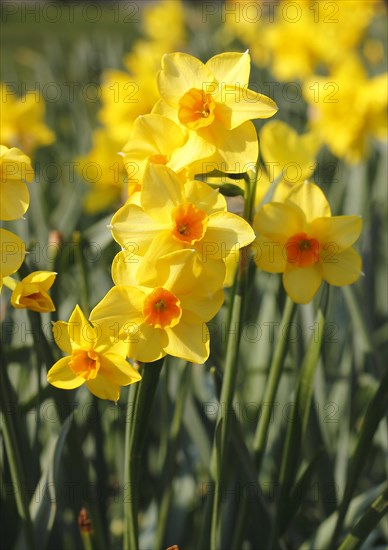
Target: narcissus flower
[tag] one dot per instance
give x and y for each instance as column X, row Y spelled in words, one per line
column 173, row 216
column 301, row 239
column 95, row 356
column 15, row 169
column 214, row 103
column 156, row 139
column 31, row 292
column 13, row 251
column 167, row 315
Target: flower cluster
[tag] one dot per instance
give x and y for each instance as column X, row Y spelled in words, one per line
column 178, row 240
column 180, row 244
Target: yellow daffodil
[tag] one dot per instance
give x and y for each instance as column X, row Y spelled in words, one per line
column 348, row 108
column 301, row 239
column 15, row 169
column 103, row 170
column 214, row 103
column 173, row 217
column 288, row 156
column 31, row 292
column 167, row 315
column 94, row 356
column 156, row 139
column 22, row 120
column 13, row 251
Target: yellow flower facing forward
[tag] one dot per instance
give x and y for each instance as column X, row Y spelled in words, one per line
column 22, row 120
column 13, row 251
column 168, row 315
column 32, row 292
column 287, row 156
column 15, row 169
column 214, row 103
column 94, row 357
column 301, row 239
column 348, row 109
column 173, row 216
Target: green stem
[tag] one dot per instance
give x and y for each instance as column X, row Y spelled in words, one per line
column 261, row 435
column 173, row 441
column 272, row 385
column 134, row 438
column 221, row 438
column 15, row 462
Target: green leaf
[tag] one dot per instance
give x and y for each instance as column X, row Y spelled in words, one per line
column 43, row 504
column 298, row 422
column 366, row 523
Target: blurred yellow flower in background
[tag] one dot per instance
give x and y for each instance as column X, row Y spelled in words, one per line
column 22, row 120
column 347, row 109
column 103, row 170
column 94, row 357
column 31, row 292
column 301, row 239
column 15, row 169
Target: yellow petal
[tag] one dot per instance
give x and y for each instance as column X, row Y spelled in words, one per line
column 125, row 266
column 104, row 388
column 118, row 370
column 162, row 192
column 226, row 233
column 236, row 150
column 13, row 251
column 81, row 331
column 204, row 307
column 147, row 344
column 181, row 72
column 268, row 255
column 15, row 199
column 231, row 67
column 204, row 197
column 61, row 376
column 301, row 284
column 45, row 279
column 121, row 306
column 336, row 233
column 162, row 245
column 188, row 341
column 61, row 336
column 134, row 229
column 343, row 269
column 159, row 132
column 236, row 105
column 278, row 221
column 311, row 199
